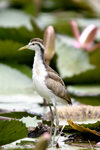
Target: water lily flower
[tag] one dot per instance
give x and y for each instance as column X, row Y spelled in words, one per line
column 49, row 43
column 85, row 40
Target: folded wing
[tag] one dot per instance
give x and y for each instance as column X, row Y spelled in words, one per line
column 55, row 83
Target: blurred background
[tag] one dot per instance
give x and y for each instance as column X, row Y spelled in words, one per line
column 77, row 49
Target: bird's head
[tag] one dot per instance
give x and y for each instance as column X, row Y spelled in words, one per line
column 34, row 44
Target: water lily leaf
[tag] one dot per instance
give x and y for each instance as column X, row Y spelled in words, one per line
column 86, row 94
column 21, row 34
column 9, row 52
column 22, row 68
column 17, row 114
column 84, row 90
column 95, row 57
column 17, row 18
column 37, row 30
column 20, row 27
column 88, row 77
column 26, row 143
column 95, row 6
column 40, row 20
column 71, row 61
column 82, row 129
column 11, row 131
column 81, row 6
column 28, row 6
column 75, row 65
column 30, row 121
column 13, row 81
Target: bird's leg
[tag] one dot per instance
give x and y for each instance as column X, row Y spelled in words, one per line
column 57, row 125
column 52, row 120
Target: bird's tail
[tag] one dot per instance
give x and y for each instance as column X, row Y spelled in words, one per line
column 69, row 99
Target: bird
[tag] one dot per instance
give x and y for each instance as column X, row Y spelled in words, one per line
column 47, row 81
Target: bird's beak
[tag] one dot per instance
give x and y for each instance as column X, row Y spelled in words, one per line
column 24, row 47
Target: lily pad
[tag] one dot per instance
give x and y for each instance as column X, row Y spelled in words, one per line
column 43, row 20
column 11, row 131
column 88, row 77
column 16, row 114
column 30, row 121
column 76, row 66
column 88, row 100
column 84, row 90
column 81, row 6
column 13, row 81
column 86, row 94
column 10, row 53
column 17, row 18
column 95, row 57
column 22, row 68
column 21, row 34
column 71, row 61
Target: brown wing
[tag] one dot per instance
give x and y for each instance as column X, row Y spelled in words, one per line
column 55, row 83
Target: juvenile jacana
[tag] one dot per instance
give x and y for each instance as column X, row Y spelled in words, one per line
column 47, row 82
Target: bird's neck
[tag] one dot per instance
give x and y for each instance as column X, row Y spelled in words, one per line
column 39, row 65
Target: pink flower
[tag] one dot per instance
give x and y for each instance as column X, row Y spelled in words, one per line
column 49, row 43
column 85, row 40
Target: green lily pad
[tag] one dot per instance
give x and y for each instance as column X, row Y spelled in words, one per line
column 95, row 6
column 22, row 68
column 13, row 81
column 76, row 66
column 88, row 100
column 71, row 61
column 30, row 121
column 84, row 90
column 95, row 57
column 28, row 6
column 17, row 18
column 21, row 34
column 91, row 76
column 26, row 143
column 16, row 114
column 81, row 6
column 20, row 27
column 11, row 131
column 9, row 53
column 86, row 94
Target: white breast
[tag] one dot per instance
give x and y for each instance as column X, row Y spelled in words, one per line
column 39, row 74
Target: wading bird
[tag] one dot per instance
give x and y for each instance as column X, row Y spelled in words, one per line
column 47, row 82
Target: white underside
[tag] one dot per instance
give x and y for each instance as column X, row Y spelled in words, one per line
column 41, row 88
column 39, row 74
